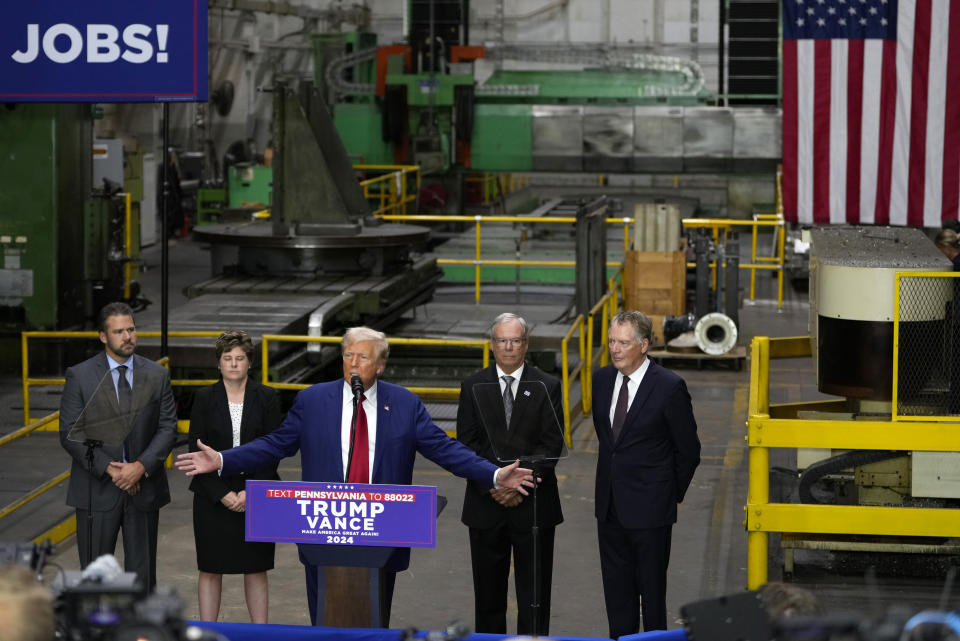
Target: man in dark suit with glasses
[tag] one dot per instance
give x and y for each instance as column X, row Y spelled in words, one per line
column 501, row 520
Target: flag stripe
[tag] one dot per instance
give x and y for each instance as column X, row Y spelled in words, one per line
column 837, row 160
column 898, row 186
column 888, row 108
column 870, row 127
column 821, row 130
column 951, row 132
column 854, row 120
column 936, row 104
column 789, row 178
column 918, row 112
column 805, row 131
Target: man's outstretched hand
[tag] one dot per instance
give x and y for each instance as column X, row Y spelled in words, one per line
column 202, row 462
column 513, row 476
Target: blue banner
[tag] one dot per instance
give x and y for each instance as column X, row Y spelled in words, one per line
column 342, row 513
column 103, row 51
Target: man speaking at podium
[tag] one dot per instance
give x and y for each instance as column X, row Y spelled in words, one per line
column 392, row 426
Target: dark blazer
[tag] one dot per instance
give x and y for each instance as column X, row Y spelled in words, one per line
column 210, row 422
column 403, row 429
column 152, row 431
column 648, row 469
column 529, row 425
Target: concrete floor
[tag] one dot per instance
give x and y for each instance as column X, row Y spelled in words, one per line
column 709, row 542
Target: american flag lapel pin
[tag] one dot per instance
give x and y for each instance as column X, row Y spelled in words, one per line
column 526, row 392
column 386, row 408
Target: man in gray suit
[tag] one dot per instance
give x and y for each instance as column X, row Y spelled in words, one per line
column 126, row 485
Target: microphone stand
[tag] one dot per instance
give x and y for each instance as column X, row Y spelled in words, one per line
column 535, row 544
column 91, row 445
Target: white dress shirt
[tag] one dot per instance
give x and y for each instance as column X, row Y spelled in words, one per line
column 515, row 384
column 346, row 415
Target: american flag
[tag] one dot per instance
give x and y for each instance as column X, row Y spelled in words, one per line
column 871, row 111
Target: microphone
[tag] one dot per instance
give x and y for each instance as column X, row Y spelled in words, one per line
column 356, row 384
column 104, row 569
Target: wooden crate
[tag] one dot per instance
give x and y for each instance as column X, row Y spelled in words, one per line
column 655, row 283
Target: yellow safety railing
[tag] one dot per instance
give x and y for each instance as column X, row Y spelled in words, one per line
column 29, row 381
column 391, row 190
column 438, row 393
column 479, row 261
column 720, row 227
column 567, row 376
column 607, row 307
column 776, row 425
column 496, row 184
column 442, row 393
column 51, row 421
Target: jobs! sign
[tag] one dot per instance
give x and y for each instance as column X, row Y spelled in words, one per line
column 103, row 51
column 342, row 513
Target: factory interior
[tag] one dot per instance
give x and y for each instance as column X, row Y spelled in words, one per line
column 420, row 167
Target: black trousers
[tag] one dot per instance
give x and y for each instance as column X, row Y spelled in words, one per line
column 490, row 552
column 139, row 538
column 633, row 564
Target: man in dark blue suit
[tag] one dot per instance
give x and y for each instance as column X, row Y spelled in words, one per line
column 396, row 427
column 648, row 453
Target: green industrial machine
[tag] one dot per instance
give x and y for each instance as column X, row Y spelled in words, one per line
column 249, row 188
column 64, row 246
column 392, row 105
column 45, row 176
column 249, row 185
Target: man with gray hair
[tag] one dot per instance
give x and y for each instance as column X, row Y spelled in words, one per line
column 648, row 453
column 501, row 520
column 392, row 426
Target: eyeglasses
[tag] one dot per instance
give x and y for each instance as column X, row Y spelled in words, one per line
column 502, row 342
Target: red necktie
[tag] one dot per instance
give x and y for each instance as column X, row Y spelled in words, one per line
column 359, row 464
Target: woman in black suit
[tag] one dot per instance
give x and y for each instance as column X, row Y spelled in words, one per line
column 229, row 413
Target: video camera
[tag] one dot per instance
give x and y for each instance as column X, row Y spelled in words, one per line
column 105, row 604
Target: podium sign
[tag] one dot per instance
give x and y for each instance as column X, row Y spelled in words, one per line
column 342, row 513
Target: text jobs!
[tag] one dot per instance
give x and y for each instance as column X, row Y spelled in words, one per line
column 63, row 43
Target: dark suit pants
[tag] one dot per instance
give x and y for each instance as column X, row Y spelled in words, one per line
column 633, row 563
column 490, row 554
column 139, row 538
column 386, row 594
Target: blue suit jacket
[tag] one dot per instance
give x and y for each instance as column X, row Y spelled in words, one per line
column 403, row 429
column 647, row 470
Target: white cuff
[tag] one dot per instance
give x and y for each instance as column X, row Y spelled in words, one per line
column 220, row 468
column 496, row 473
